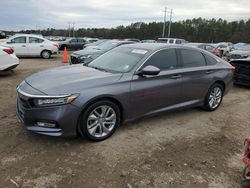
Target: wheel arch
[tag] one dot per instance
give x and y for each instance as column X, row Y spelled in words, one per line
column 222, row 83
column 46, row 50
column 100, row 98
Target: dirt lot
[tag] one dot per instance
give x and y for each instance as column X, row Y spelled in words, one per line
column 190, row 148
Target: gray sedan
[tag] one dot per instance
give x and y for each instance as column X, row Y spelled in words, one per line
column 126, row 83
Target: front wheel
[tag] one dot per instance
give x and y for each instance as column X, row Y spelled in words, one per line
column 214, row 97
column 100, row 120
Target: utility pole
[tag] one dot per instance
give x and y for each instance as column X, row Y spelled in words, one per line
column 170, row 21
column 164, row 24
column 72, row 28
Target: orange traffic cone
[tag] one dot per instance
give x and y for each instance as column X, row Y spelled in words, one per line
column 65, row 56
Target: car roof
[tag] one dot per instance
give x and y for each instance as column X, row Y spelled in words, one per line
column 151, row 46
column 30, row 35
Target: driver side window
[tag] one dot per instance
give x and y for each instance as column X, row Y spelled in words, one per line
column 164, row 60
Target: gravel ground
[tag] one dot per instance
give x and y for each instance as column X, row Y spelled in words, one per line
column 190, row 148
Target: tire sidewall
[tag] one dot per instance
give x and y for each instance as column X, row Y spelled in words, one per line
column 85, row 114
column 207, row 106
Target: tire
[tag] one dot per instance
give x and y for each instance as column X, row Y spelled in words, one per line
column 63, row 46
column 45, row 54
column 100, row 120
column 214, row 97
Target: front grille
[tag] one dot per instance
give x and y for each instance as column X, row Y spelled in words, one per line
column 74, row 60
column 24, row 103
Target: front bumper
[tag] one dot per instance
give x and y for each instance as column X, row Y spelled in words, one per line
column 240, row 79
column 64, row 116
column 74, row 59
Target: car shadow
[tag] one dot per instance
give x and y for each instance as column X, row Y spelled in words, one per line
column 8, row 73
column 242, row 86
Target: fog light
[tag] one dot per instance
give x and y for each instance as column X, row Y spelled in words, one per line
column 44, row 124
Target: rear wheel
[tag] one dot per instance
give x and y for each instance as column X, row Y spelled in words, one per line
column 100, row 120
column 214, row 97
column 45, row 54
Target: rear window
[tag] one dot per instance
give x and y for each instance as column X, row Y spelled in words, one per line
column 192, row 58
column 210, row 60
column 35, row 40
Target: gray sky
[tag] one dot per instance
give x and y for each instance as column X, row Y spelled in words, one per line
column 40, row 14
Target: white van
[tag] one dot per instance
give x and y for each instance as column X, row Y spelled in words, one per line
column 31, row 45
column 171, row 41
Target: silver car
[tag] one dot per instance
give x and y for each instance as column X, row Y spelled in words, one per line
column 126, row 83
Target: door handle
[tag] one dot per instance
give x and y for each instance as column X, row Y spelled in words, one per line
column 23, row 46
column 41, row 45
column 177, row 76
column 209, row 71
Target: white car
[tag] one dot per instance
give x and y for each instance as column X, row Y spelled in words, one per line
column 171, row 41
column 8, row 59
column 32, row 45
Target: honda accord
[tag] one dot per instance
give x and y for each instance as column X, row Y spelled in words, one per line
column 128, row 82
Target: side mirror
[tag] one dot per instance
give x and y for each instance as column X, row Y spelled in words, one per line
column 8, row 42
column 150, row 71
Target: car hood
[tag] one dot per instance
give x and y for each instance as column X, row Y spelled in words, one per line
column 70, row 79
column 89, row 52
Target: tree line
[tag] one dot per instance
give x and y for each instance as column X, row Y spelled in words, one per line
column 193, row 30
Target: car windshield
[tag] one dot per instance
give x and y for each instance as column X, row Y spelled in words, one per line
column 119, row 60
column 108, row 45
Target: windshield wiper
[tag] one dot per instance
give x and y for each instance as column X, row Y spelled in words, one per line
column 99, row 68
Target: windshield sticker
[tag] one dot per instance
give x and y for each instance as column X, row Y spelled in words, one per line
column 138, row 51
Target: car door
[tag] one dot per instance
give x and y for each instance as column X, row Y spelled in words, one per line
column 73, row 44
column 155, row 93
column 19, row 44
column 197, row 76
column 35, row 46
column 80, row 43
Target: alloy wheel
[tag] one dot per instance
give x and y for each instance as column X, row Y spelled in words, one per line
column 101, row 121
column 215, row 97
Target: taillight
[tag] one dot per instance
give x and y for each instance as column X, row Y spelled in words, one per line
column 233, row 69
column 8, row 51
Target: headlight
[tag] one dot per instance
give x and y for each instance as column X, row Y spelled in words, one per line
column 52, row 101
column 85, row 57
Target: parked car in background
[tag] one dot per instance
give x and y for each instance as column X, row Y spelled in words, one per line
column 171, row 41
column 72, row 44
column 85, row 56
column 207, row 47
column 225, row 47
column 31, row 45
column 94, row 44
column 238, row 46
column 2, row 35
column 132, row 39
column 242, row 71
column 126, row 83
column 91, row 40
column 242, row 53
column 148, row 41
column 8, row 59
